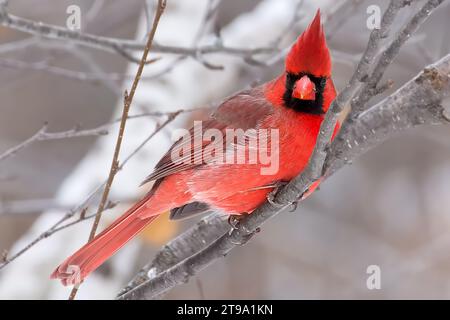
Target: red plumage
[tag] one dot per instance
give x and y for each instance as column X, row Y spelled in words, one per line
column 188, row 188
column 312, row 43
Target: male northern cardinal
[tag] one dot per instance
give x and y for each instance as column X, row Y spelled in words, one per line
column 294, row 103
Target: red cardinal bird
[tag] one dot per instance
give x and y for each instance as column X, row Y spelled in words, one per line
column 294, row 104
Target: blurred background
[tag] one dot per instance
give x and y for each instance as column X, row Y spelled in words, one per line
column 390, row 208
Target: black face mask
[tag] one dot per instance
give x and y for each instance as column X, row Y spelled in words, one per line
column 306, row 106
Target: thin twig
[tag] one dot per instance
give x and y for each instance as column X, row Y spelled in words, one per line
column 23, row 207
column 210, row 14
column 70, row 74
column 279, row 55
column 415, row 103
column 369, row 89
column 43, row 135
column 128, row 99
column 120, row 46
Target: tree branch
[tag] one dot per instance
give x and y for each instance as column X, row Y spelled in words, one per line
column 66, row 73
column 390, row 53
column 128, row 99
column 43, row 135
column 192, row 240
column 416, row 103
column 114, row 45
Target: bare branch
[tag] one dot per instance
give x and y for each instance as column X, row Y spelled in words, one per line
column 415, row 103
column 114, row 45
column 182, row 247
column 44, row 135
column 390, row 53
column 70, row 74
column 35, row 206
column 128, row 99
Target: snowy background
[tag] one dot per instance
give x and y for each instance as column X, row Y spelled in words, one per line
column 390, row 208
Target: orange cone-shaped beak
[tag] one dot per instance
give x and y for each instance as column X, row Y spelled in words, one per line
column 304, row 89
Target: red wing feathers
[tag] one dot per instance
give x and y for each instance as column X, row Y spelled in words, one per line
column 242, row 111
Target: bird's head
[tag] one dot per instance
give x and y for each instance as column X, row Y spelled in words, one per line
column 306, row 85
column 310, row 54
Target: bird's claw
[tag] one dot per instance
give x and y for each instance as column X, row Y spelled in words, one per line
column 294, row 206
column 295, row 203
column 246, row 238
column 233, row 220
column 271, row 195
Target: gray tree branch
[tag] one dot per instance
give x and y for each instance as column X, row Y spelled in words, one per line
column 191, row 241
column 416, row 103
column 43, row 135
column 115, row 45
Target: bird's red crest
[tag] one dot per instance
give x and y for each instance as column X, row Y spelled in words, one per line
column 310, row 53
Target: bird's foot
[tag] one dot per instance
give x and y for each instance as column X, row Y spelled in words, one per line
column 271, row 195
column 295, row 203
column 233, row 220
